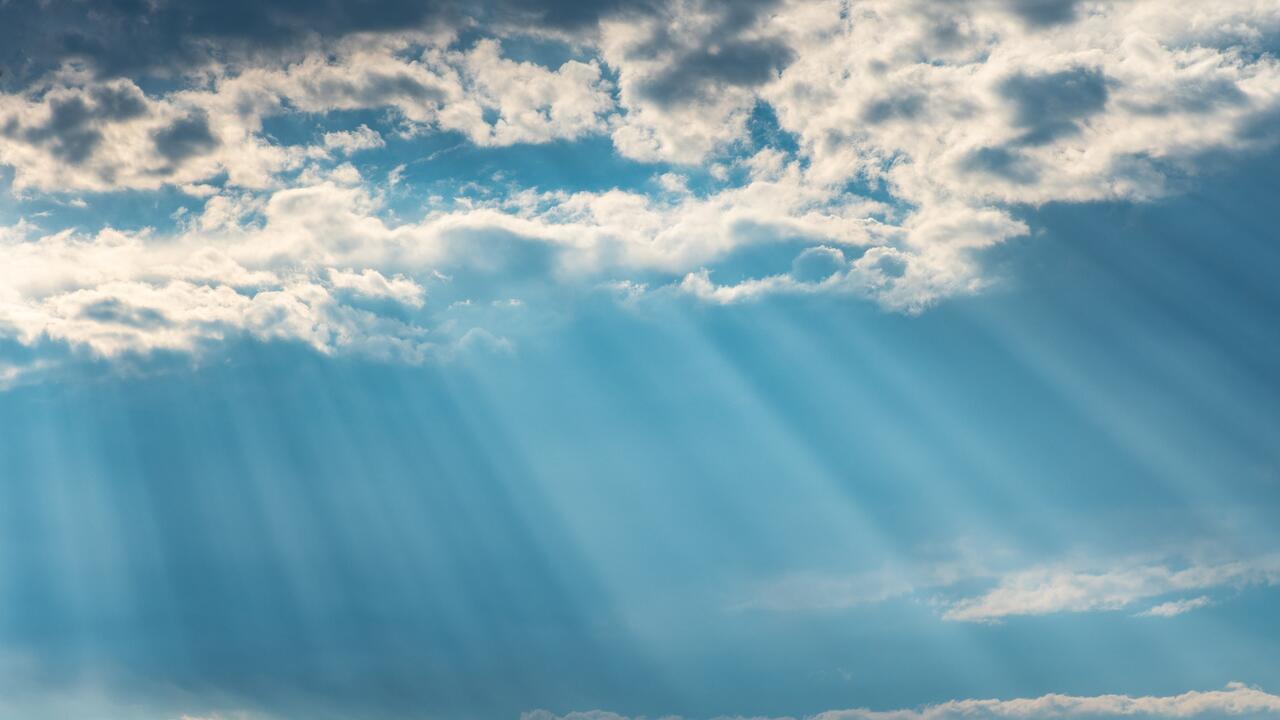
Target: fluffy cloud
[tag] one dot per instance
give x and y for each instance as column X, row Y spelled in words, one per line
column 689, row 78
column 1233, row 701
column 970, row 102
column 951, row 115
column 302, row 263
column 353, row 141
column 114, row 293
column 73, row 132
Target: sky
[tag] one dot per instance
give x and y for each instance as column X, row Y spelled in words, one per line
column 666, row 359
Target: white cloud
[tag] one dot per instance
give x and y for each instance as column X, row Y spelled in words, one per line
column 115, row 293
column 373, row 284
column 352, row 141
column 1177, row 607
column 1236, row 700
column 944, row 582
column 581, row 715
column 1046, row 590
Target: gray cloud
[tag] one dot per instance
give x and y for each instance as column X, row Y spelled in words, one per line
column 72, row 131
column 123, row 37
column 1045, row 13
column 114, row 310
column 1002, row 163
column 900, row 107
column 185, row 138
column 68, row 133
column 725, row 54
column 115, row 103
column 737, row 63
column 1050, row 106
column 136, row 37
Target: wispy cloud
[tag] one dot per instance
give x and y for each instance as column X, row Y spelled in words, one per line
column 1235, row 700
column 1046, row 590
column 1100, row 586
column 1177, row 607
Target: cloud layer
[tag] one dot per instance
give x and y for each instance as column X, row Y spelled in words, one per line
column 1174, row 588
column 1041, row 591
column 885, row 144
column 1236, row 700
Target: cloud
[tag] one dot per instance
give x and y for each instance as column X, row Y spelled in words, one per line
column 957, row 114
column 353, row 141
column 1047, row 590
column 130, row 38
column 186, row 137
column 116, row 293
column 720, row 45
column 303, row 264
column 946, row 583
column 1236, row 700
column 1045, row 13
column 120, row 38
column 582, row 715
column 1050, row 106
column 372, row 284
column 994, row 104
column 1176, row 607
column 77, row 133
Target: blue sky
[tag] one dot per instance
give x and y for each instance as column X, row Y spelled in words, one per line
column 554, row 361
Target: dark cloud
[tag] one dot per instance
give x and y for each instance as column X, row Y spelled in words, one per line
column 734, row 63
column 69, row 132
column 902, row 107
column 568, row 14
column 725, row 55
column 382, row 88
column 136, row 37
column 1045, row 13
column 1002, row 163
column 115, row 310
column 123, row 102
column 1200, row 96
column 1050, row 106
column 1263, row 127
column 72, row 132
column 185, row 138
column 124, row 37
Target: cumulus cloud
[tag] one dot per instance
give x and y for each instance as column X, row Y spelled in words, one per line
column 296, row 263
column 353, row 141
column 73, row 132
column 954, row 114
column 372, row 284
column 1236, row 700
column 114, row 293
